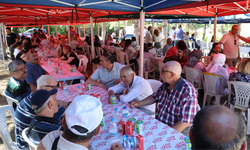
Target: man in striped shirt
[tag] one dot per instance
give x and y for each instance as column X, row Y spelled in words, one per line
column 45, row 106
column 24, row 113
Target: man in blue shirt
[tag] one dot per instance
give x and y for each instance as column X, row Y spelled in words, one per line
column 17, row 87
column 34, row 70
column 178, row 35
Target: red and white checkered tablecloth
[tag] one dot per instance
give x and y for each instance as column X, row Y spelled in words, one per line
column 66, row 74
column 157, row 135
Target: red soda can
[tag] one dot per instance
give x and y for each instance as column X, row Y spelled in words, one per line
column 139, row 142
column 129, row 128
column 121, row 127
column 61, row 85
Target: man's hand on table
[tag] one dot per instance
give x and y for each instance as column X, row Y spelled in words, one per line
column 134, row 104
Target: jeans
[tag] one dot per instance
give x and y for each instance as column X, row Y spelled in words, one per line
column 12, row 53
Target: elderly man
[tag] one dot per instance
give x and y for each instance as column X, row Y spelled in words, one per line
column 45, row 106
column 24, row 113
column 81, row 122
column 148, row 38
column 230, row 43
column 177, row 99
column 108, row 72
column 217, row 127
column 137, row 89
column 34, row 70
column 17, row 87
column 167, row 46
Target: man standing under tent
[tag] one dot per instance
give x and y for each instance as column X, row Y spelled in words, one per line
column 11, row 41
column 121, row 34
column 178, row 34
column 171, row 34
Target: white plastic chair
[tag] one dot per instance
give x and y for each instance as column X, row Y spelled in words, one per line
column 10, row 100
column 4, row 132
column 205, row 60
column 155, row 86
column 191, row 45
column 32, row 146
column 123, row 58
column 210, row 87
column 84, row 61
column 147, row 61
column 117, row 51
column 160, row 64
column 194, row 77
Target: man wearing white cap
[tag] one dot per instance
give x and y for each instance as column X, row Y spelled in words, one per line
column 82, row 121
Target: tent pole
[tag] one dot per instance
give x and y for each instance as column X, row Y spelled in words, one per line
column 92, row 38
column 119, row 28
column 56, row 33
column 208, row 35
column 84, row 30
column 98, row 33
column 215, row 23
column 164, row 26
column 103, row 31
column 79, row 30
column 142, row 17
column 1, row 42
column 68, row 32
column 48, row 30
column 153, row 25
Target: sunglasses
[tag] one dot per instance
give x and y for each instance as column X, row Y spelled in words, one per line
column 53, row 87
column 235, row 42
column 22, row 69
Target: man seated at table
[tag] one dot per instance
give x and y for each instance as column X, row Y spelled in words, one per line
column 151, row 49
column 217, row 127
column 108, row 72
column 24, row 113
column 34, row 70
column 81, row 122
column 167, row 46
column 136, row 89
column 177, row 99
column 17, row 87
column 216, row 48
column 45, row 106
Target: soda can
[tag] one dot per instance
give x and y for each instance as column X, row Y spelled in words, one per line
column 129, row 128
column 187, row 143
column 71, row 69
column 56, row 70
column 89, row 87
column 139, row 142
column 61, row 85
column 103, row 121
column 121, row 127
column 113, row 99
column 139, row 126
column 132, row 120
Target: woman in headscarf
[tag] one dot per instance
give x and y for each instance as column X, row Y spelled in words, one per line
column 194, row 61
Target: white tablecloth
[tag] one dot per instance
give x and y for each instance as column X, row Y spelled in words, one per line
column 47, row 53
column 157, row 135
column 66, row 74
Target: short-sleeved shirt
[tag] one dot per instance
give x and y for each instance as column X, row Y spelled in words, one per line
column 34, row 73
column 148, row 38
column 121, row 33
column 40, row 126
column 230, row 45
column 75, row 61
column 23, row 117
column 106, row 77
column 171, row 34
column 11, row 38
column 17, row 89
column 166, row 48
column 178, row 34
column 180, row 104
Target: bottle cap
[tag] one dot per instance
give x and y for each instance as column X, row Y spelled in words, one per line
column 116, row 109
column 112, row 119
column 64, row 81
column 124, row 107
column 79, row 87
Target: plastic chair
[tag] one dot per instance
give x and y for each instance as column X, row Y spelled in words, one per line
column 32, row 146
column 10, row 100
column 191, row 45
column 155, row 86
column 205, row 60
column 210, row 87
column 123, row 58
column 84, row 61
column 194, row 77
column 160, row 64
column 148, row 70
column 117, row 51
column 4, row 132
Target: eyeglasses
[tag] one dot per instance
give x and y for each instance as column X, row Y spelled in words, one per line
column 166, row 71
column 235, row 42
column 53, row 87
column 22, row 69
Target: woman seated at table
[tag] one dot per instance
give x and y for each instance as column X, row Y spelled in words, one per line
column 216, row 67
column 69, row 56
column 242, row 75
column 194, row 61
column 109, row 40
column 122, row 44
column 97, row 41
column 216, row 48
column 129, row 50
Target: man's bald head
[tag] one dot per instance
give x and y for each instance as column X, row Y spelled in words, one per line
column 174, row 67
column 127, row 70
column 217, row 127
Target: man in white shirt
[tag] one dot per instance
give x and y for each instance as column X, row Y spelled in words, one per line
column 108, row 72
column 148, row 38
column 19, row 46
column 121, row 34
column 230, row 43
column 145, row 31
column 81, row 123
column 133, row 88
column 171, row 34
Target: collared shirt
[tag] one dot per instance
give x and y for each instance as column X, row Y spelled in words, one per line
column 139, row 90
column 40, row 126
column 17, row 89
column 108, row 78
column 230, row 48
column 180, row 104
column 34, row 73
column 63, row 144
column 178, row 34
column 148, row 38
column 23, row 117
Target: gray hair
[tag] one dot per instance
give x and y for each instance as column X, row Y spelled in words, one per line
column 127, row 69
column 43, row 80
column 12, row 66
column 42, row 107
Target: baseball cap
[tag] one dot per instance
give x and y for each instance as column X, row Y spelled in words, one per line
column 39, row 97
column 84, row 114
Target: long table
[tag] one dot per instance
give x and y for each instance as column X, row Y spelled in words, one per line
column 157, row 135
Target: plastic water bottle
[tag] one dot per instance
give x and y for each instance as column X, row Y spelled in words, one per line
column 117, row 116
column 49, row 61
column 82, row 81
column 79, row 90
column 65, row 87
column 113, row 128
column 226, row 65
column 125, row 112
column 60, row 69
column 74, row 68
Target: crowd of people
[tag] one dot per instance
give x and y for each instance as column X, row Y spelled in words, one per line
column 54, row 124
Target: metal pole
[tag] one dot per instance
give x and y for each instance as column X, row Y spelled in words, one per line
column 68, row 32
column 142, row 17
column 164, row 26
column 215, row 23
column 208, row 35
column 48, row 30
column 56, row 33
column 1, row 42
column 98, row 29
column 119, row 29
column 84, row 31
column 79, row 30
column 92, row 38
column 153, row 24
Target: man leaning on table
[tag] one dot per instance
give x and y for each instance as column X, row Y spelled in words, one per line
column 136, row 89
column 177, row 99
column 34, row 70
column 108, row 72
column 230, row 43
